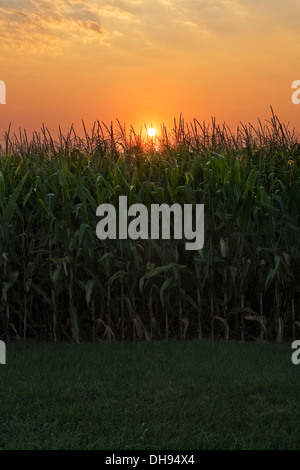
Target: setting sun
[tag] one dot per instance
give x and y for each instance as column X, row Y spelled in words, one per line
column 151, row 132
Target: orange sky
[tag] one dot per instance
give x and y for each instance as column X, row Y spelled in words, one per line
column 145, row 61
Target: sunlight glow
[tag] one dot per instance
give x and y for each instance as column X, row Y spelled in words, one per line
column 151, row 132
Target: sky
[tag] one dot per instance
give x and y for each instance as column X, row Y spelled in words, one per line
column 147, row 61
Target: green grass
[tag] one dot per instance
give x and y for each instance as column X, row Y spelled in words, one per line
column 176, row 395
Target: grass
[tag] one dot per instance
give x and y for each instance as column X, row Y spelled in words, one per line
column 150, row 396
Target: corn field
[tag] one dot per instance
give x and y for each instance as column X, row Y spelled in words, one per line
column 59, row 282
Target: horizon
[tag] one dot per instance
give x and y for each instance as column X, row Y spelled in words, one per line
column 148, row 133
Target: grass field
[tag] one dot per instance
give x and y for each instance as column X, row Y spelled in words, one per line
column 128, row 348
column 152, row 396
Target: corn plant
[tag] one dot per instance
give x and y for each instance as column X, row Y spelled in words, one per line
column 58, row 281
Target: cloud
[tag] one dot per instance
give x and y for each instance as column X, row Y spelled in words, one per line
column 53, row 26
column 227, row 17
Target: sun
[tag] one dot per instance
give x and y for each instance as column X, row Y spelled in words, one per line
column 151, row 132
